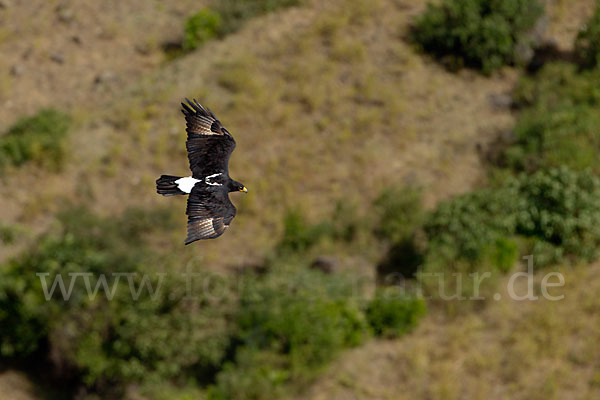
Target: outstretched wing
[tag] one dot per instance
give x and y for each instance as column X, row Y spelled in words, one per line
column 209, row 213
column 209, row 144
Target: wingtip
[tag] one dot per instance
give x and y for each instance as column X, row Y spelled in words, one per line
column 189, row 240
column 194, row 107
column 186, row 109
column 201, row 107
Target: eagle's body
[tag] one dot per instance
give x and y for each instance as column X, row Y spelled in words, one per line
column 209, row 147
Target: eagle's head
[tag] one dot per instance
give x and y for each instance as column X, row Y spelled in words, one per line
column 235, row 186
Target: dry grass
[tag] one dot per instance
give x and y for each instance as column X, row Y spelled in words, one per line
column 16, row 386
column 566, row 18
column 326, row 102
column 76, row 53
column 525, row 350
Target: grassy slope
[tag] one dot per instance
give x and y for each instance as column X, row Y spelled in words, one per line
column 282, row 85
column 110, row 39
column 517, row 350
column 326, row 102
column 525, row 350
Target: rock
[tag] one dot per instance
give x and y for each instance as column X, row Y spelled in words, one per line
column 17, row 70
column 500, row 101
column 27, row 53
column 104, row 78
column 326, row 264
column 57, row 58
column 77, row 39
column 143, row 48
column 525, row 48
column 524, row 53
column 508, row 136
column 65, row 14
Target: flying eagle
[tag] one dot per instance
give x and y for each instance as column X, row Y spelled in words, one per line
column 209, row 147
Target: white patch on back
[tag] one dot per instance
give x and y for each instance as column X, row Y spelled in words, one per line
column 208, row 182
column 186, row 184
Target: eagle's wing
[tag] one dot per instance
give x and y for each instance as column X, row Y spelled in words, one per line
column 209, row 144
column 209, row 213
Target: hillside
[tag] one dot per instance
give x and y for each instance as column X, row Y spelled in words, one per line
column 340, row 72
column 329, row 104
column 510, row 349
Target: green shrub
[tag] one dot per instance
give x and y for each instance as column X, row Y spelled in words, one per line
column 503, row 254
column 305, row 314
column 40, row 138
column 152, row 339
column 558, row 206
column 118, row 341
column 346, row 221
column 392, row 313
column 465, row 227
column 224, row 17
column 587, row 44
column 199, row 28
column 84, row 242
column 290, row 322
column 562, row 208
column 254, row 375
column 298, row 235
column 558, row 121
column 483, row 34
column 399, row 212
column 9, row 233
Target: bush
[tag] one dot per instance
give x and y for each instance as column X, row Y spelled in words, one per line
column 392, row 313
column 224, row 17
column 290, row 322
column 298, row 235
column 558, row 121
column 558, row 206
column 110, row 342
column 9, row 233
column 153, row 339
column 199, row 28
column 399, row 213
column 587, row 44
column 465, row 227
column 254, row 375
column 305, row 314
column 40, row 138
column 562, row 208
column 84, row 242
column 482, row 34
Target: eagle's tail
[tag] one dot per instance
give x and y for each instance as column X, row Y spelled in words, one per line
column 166, row 185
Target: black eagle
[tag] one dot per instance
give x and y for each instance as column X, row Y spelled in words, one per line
column 209, row 147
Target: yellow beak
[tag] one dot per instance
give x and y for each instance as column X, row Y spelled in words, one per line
column 244, row 189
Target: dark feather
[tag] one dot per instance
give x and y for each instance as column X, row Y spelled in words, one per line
column 209, row 212
column 209, row 144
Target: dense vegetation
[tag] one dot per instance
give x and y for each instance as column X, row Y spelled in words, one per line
column 557, row 211
column 200, row 27
column 558, row 120
column 587, row 45
column 263, row 331
column 40, row 138
column 482, row 34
